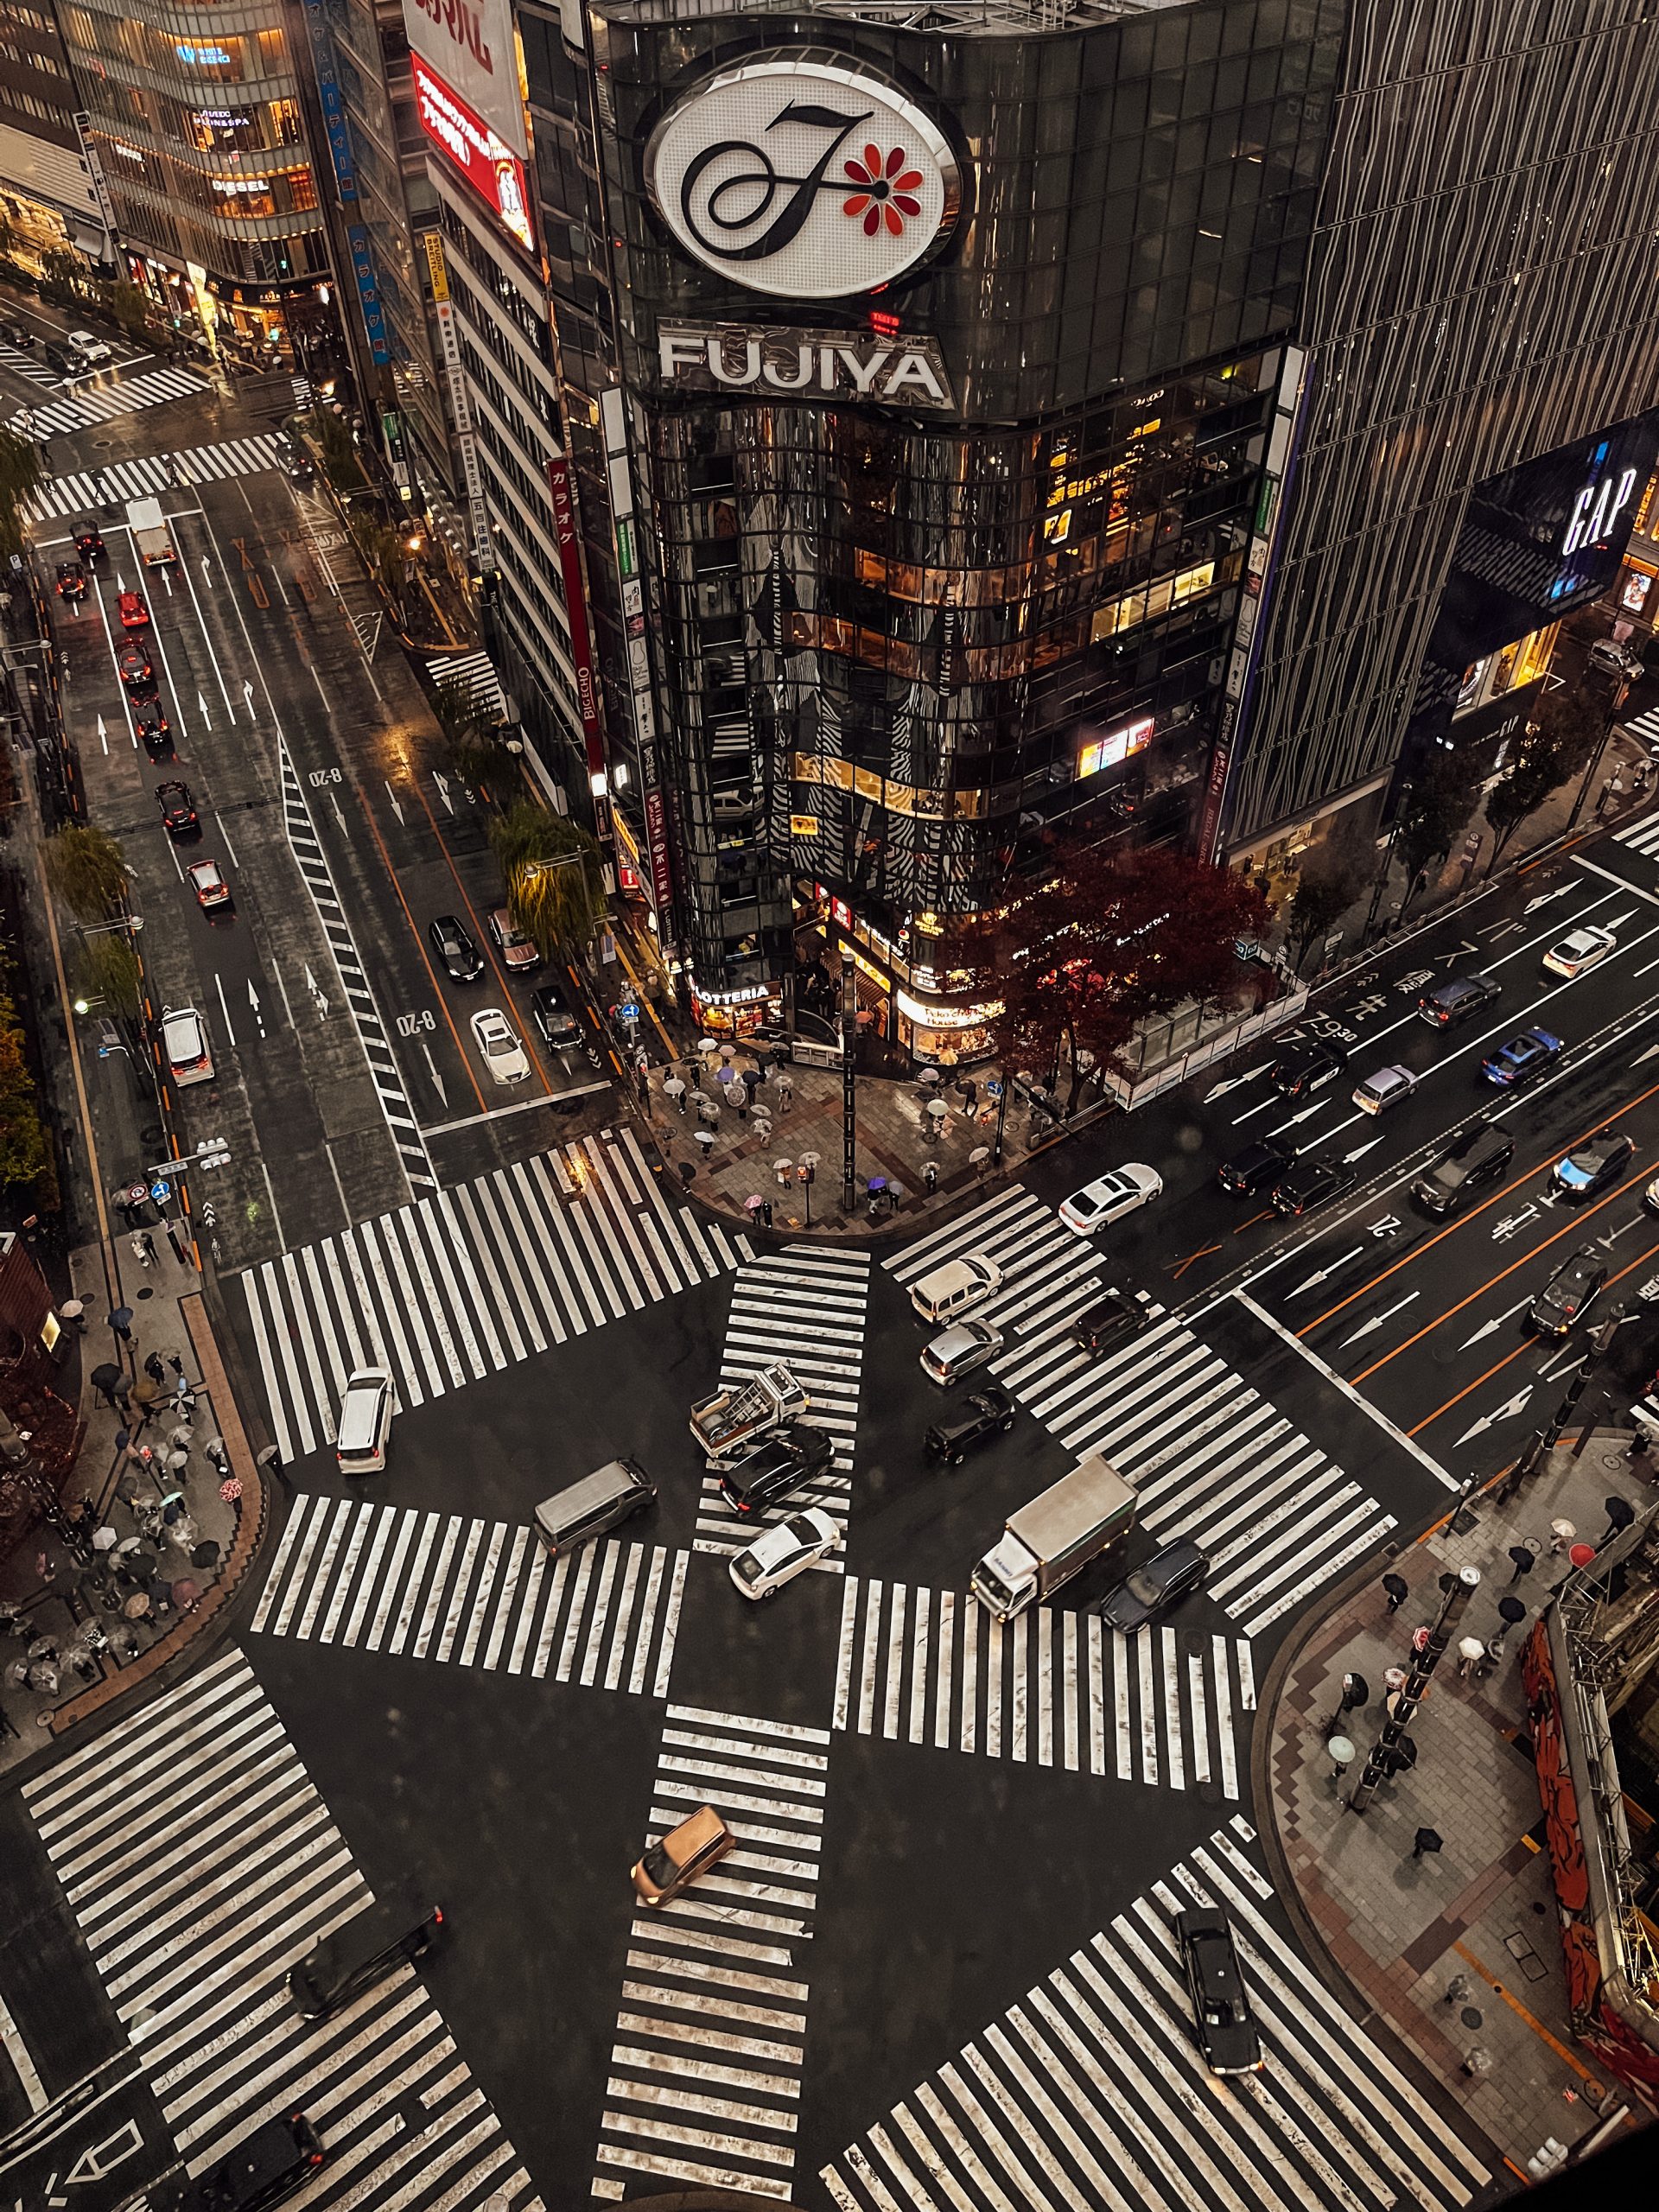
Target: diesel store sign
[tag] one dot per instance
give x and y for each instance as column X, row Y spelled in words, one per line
column 904, row 373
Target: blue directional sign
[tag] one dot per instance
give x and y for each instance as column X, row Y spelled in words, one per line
column 160, row 1191
column 993, row 1089
column 629, row 1010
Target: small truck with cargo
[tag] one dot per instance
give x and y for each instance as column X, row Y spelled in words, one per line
column 740, row 1413
column 1046, row 1543
column 150, row 533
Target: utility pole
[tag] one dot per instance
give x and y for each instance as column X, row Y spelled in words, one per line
column 1388, row 864
column 1402, row 1707
column 848, row 1051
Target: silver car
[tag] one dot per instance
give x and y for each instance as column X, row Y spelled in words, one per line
column 1385, row 1089
column 958, row 1350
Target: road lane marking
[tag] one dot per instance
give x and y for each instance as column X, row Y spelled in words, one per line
column 1372, row 1412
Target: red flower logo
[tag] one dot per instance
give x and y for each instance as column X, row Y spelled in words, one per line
column 886, row 191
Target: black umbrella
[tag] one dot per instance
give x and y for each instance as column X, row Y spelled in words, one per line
column 106, row 1377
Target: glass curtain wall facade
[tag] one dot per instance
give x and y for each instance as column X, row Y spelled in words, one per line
column 1480, row 294
column 902, row 644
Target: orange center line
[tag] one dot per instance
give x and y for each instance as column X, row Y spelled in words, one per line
column 443, row 1005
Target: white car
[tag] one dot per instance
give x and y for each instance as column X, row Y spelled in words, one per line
column 1613, row 658
column 498, row 1040
column 184, row 1040
column 83, row 342
column 779, row 1554
column 1109, row 1196
column 1580, row 950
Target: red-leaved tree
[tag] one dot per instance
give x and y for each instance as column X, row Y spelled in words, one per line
column 1107, row 941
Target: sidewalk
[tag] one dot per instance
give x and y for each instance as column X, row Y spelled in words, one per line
column 84, row 1634
column 797, row 1112
column 1481, row 1910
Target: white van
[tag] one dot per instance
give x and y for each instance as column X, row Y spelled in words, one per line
column 956, row 1289
column 365, row 1417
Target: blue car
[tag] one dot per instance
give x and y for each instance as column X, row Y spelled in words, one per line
column 1523, row 1058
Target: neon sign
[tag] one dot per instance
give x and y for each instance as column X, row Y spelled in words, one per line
column 1596, row 510
column 489, row 164
column 1108, row 751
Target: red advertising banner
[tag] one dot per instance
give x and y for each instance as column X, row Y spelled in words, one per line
column 582, row 652
column 483, row 158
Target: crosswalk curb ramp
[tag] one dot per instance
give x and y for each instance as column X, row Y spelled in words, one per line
column 1209, row 1456
column 468, row 1282
column 200, row 1864
column 1090, row 2095
column 804, row 1306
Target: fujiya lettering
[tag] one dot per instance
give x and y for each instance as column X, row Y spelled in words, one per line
column 822, row 363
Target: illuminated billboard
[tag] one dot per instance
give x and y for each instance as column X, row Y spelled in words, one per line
column 1111, row 752
column 489, row 165
column 471, row 47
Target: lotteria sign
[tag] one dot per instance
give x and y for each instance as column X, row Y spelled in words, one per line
column 803, row 177
column 489, row 165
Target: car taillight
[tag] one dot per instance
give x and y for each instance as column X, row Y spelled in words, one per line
column 438, row 1916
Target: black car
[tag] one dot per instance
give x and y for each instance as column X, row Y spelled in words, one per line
column 553, row 1018
column 264, row 2168
column 1594, row 1166
column 462, row 960
column 135, row 665
column 775, row 1468
column 72, row 579
column 1114, row 1317
column 1569, row 1293
column 365, row 1951
column 1456, row 999
column 1476, row 1156
column 985, row 1413
column 1221, row 2009
column 88, row 544
column 1300, row 1069
column 154, row 731
column 179, row 817
column 1311, row 1184
column 1260, row 1164
column 1162, row 1581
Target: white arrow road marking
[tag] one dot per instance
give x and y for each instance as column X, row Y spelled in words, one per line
column 1487, row 1328
column 432, row 1069
column 1554, row 1373
column 1505, row 1412
column 247, row 693
column 1366, row 1328
column 1359, row 1152
column 315, row 989
column 1510, row 1223
column 1249, row 1116
column 338, row 816
column 1545, row 897
column 397, row 810
column 104, row 739
column 253, row 1001
column 1326, row 1272
column 1307, row 1112
column 202, row 704
column 442, row 783
column 207, row 569
column 166, row 581
column 1651, row 1053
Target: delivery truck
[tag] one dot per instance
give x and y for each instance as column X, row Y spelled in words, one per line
column 1046, row 1543
column 150, row 533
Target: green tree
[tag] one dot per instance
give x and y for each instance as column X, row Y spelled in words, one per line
column 457, row 710
column 385, row 557
column 334, row 437
column 88, row 870
column 554, row 891
column 130, row 308
column 23, row 1153
column 108, row 973
column 1335, row 874
column 20, row 472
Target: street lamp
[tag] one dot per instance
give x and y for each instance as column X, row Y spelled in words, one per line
column 1388, row 861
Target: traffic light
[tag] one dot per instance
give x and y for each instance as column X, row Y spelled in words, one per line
column 214, row 1152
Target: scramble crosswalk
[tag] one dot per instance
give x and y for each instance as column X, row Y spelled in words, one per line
column 1643, row 837
column 475, row 1593
column 1209, row 1456
column 201, row 1863
column 79, row 408
column 705, row 2075
column 1053, row 1688
column 119, row 481
column 804, row 1306
column 469, row 1281
column 19, row 363
column 1090, row 2094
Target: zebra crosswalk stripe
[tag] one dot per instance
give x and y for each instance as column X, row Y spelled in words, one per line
column 465, row 1283
column 200, row 1864
column 1642, row 837
column 1091, row 2093
column 705, row 2073
column 1209, row 1456
column 23, row 364
column 1053, row 1688
column 804, row 1306
column 148, row 473
column 474, row 1592
column 79, row 410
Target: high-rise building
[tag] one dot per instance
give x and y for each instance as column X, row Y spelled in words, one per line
column 1000, row 418
column 52, row 195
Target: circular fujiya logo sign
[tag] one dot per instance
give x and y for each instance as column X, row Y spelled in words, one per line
column 802, row 177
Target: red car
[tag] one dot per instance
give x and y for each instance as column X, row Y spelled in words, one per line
column 72, row 579
column 134, row 614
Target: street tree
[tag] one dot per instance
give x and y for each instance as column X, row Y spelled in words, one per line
column 1335, row 874
column 474, row 746
column 24, row 1157
column 88, row 870
column 555, row 890
column 339, row 462
column 108, row 974
column 1107, row 941
column 20, row 472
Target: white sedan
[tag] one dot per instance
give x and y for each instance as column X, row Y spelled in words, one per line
column 779, row 1554
column 1109, row 1196
column 498, row 1040
column 1582, row 948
